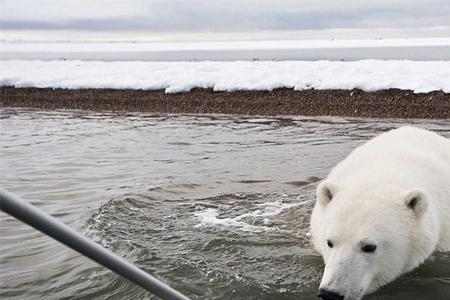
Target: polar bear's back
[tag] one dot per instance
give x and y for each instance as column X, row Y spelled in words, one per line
column 415, row 139
column 393, row 152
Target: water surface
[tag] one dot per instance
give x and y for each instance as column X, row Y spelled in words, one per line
column 217, row 206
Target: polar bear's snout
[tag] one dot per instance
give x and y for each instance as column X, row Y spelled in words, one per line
column 329, row 295
column 344, row 279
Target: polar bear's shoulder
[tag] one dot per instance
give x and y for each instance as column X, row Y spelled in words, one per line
column 413, row 138
column 395, row 150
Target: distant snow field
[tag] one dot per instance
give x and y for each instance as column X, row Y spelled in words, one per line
column 174, row 77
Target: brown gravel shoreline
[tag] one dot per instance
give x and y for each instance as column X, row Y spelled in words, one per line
column 391, row 103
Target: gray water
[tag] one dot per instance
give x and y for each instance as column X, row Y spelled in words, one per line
column 216, row 206
column 298, row 49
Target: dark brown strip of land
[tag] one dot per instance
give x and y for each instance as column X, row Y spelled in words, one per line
column 391, row 103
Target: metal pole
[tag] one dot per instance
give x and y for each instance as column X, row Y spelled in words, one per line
column 36, row 218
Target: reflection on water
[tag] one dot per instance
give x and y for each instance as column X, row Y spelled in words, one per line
column 217, row 206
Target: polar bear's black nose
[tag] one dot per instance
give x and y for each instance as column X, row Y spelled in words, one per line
column 328, row 295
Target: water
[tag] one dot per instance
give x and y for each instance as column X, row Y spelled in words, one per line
column 420, row 49
column 217, row 206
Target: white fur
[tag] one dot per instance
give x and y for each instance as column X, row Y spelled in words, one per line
column 394, row 192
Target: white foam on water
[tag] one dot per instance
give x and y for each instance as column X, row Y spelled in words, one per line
column 264, row 211
column 268, row 209
column 209, row 217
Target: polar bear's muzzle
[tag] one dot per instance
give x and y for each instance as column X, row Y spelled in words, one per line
column 329, row 295
column 344, row 278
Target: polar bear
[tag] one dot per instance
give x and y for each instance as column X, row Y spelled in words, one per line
column 382, row 211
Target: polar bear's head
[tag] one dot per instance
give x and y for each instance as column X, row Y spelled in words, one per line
column 367, row 236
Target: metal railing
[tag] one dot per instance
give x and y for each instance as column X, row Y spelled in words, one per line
column 38, row 219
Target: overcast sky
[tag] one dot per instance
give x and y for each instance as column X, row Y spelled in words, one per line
column 221, row 15
column 218, row 16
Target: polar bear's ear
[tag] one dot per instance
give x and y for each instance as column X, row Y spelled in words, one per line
column 417, row 200
column 325, row 192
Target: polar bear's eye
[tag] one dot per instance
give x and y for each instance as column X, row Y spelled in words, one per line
column 330, row 244
column 369, row 248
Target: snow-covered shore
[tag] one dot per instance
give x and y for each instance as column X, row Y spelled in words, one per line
column 173, row 77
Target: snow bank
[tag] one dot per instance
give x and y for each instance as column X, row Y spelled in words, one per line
column 368, row 75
